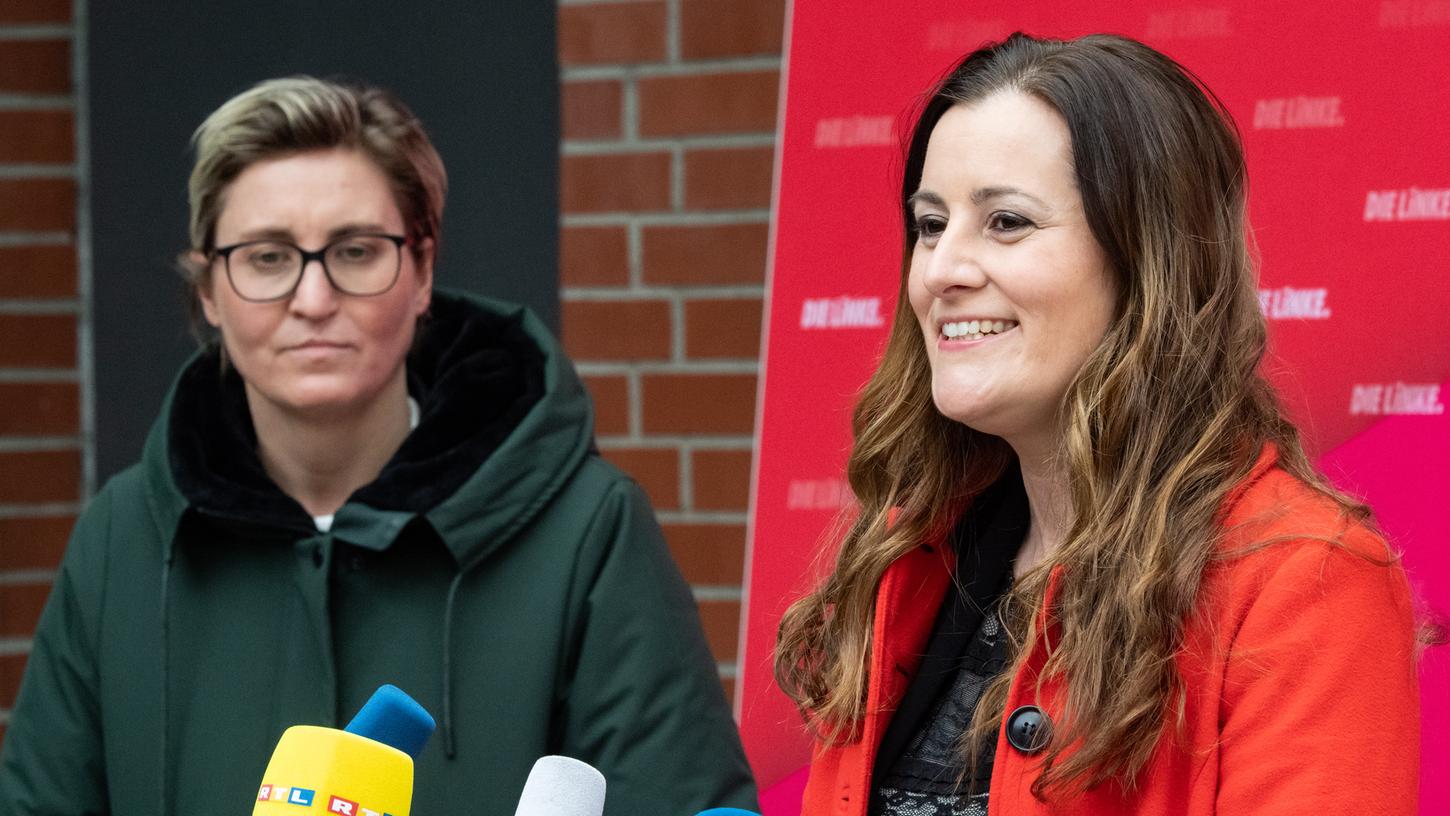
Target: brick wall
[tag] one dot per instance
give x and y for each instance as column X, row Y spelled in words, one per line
column 668, row 138
column 42, row 319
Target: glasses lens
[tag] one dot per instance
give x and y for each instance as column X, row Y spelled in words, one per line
column 364, row 264
column 263, row 270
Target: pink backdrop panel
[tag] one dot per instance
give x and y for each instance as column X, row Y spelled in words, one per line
column 1350, row 204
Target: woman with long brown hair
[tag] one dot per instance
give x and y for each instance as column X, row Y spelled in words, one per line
column 1092, row 569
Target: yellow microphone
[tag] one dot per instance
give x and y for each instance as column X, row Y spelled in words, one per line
column 364, row 770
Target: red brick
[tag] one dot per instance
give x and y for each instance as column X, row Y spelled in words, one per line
column 20, row 606
column 37, row 271
column 705, row 255
column 699, row 403
column 37, row 136
column 617, row 181
column 656, row 469
column 708, row 103
column 721, row 622
column 736, row 178
column 617, row 329
column 593, row 256
column 611, row 404
column 12, row 667
column 722, row 328
column 40, row 476
column 37, row 204
column 33, row 543
column 727, row 28
column 708, row 553
column 721, row 479
column 591, row 109
column 39, row 409
column 612, row 32
column 35, row 66
column 37, row 341
column 35, row 11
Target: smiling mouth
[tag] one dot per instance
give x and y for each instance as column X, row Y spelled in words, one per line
column 976, row 329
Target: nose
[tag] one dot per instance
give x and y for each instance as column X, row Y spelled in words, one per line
column 314, row 297
column 955, row 263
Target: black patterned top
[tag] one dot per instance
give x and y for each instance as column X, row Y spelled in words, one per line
column 921, row 766
column 931, row 778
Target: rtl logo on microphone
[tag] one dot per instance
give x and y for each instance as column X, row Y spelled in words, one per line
column 304, row 797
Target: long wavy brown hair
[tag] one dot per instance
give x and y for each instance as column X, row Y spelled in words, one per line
column 1164, row 418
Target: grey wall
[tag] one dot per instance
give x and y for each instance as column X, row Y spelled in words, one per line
column 480, row 75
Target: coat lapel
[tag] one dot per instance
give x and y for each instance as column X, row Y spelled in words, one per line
column 906, row 606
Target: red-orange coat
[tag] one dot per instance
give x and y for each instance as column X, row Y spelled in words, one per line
column 1302, row 693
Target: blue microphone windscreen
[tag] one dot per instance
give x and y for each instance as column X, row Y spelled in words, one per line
column 393, row 718
column 727, row 812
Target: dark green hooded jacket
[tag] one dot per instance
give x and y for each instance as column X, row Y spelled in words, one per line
column 497, row 570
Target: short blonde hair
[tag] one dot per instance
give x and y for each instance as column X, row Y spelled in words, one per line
column 293, row 114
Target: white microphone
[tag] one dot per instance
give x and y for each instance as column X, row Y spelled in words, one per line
column 560, row 786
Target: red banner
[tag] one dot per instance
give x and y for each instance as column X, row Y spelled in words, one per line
column 1350, row 203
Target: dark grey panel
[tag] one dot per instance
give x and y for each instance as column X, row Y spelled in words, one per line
column 480, row 75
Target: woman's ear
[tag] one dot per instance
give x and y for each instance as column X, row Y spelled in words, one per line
column 204, row 288
column 423, row 256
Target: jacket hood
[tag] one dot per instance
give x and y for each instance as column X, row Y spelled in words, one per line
column 503, row 422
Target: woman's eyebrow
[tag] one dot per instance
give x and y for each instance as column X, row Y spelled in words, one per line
column 925, row 196
column 979, row 196
column 350, row 228
column 984, row 194
column 285, row 234
column 266, row 234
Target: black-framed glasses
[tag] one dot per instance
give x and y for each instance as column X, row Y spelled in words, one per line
column 359, row 263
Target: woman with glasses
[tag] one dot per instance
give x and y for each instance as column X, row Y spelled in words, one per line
column 362, row 480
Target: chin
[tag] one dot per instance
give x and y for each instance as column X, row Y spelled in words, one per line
column 990, row 417
column 966, row 413
column 322, row 397
column 961, row 400
column 321, row 406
